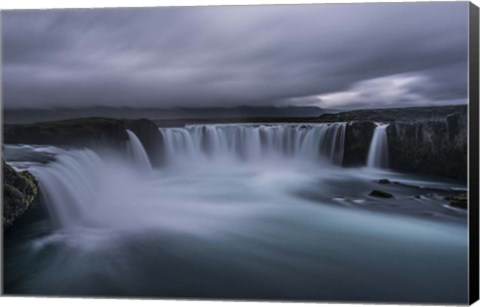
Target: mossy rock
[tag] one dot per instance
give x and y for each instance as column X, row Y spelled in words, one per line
column 20, row 191
column 458, row 201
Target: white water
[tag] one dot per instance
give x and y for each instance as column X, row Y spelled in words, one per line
column 378, row 152
column 303, row 142
column 137, row 151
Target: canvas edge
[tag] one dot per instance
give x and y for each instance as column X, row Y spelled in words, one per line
column 473, row 213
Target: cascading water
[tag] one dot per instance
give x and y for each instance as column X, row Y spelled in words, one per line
column 273, row 229
column 137, row 152
column 256, row 142
column 70, row 184
column 378, row 152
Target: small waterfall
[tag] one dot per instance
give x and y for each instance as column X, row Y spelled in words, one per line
column 306, row 142
column 69, row 184
column 378, row 152
column 137, row 152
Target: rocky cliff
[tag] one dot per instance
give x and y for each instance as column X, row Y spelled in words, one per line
column 88, row 132
column 425, row 140
column 433, row 147
column 358, row 135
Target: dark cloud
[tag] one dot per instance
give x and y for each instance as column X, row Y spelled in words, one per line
column 335, row 55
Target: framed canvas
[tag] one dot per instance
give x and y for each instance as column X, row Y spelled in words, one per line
column 301, row 153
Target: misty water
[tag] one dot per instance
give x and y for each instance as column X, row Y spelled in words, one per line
column 237, row 211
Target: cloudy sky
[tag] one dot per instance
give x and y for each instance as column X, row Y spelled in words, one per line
column 328, row 55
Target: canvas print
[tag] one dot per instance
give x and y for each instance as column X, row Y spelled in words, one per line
column 282, row 152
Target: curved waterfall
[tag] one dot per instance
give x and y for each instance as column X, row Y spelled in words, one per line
column 69, row 184
column 137, row 151
column 256, row 142
column 378, row 152
column 73, row 183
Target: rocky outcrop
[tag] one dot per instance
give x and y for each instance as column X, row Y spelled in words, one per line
column 357, row 142
column 20, row 192
column 424, row 140
column 431, row 147
column 89, row 132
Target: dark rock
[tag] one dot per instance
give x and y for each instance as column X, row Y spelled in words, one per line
column 358, row 136
column 425, row 140
column 384, row 181
column 89, row 132
column 20, row 191
column 382, row 194
column 432, row 147
column 458, row 201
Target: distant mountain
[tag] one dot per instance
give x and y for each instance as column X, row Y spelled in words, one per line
column 39, row 115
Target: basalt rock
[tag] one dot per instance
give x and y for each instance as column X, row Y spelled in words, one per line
column 357, row 142
column 20, row 192
column 459, row 201
column 381, row 194
column 432, row 147
column 89, row 132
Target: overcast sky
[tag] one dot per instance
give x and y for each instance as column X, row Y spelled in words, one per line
column 327, row 55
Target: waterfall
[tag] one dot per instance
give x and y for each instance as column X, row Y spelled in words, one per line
column 253, row 142
column 69, row 184
column 378, row 152
column 137, row 152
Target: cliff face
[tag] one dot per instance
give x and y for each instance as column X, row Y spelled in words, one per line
column 89, row 132
column 435, row 147
column 429, row 141
column 357, row 142
column 20, row 191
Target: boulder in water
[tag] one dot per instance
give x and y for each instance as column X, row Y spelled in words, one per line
column 381, row 194
column 458, row 201
column 384, row 181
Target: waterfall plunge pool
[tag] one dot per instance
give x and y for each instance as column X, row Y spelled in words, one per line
column 238, row 214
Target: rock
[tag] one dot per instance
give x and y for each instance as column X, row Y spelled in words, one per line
column 89, row 132
column 384, row 181
column 424, row 140
column 382, row 194
column 20, row 192
column 357, row 142
column 436, row 147
column 458, row 201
